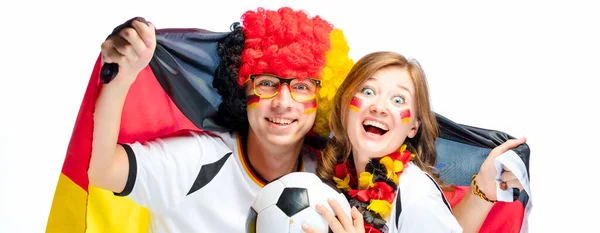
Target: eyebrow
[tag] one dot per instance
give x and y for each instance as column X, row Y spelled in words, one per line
column 399, row 86
column 403, row 87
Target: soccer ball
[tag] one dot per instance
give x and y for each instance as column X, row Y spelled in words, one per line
column 283, row 205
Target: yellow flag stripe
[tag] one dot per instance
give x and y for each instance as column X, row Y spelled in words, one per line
column 72, row 209
column 110, row 213
column 68, row 207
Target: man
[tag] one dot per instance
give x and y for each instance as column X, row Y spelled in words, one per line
column 205, row 181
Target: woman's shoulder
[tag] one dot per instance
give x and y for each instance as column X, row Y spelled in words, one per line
column 417, row 182
column 418, row 191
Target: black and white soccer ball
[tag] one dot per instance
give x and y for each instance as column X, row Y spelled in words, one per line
column 283, row 205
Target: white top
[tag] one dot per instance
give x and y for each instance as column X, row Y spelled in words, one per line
column 424, row 207
column 196, row 183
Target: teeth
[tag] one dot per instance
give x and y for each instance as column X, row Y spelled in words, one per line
column 280, row 121
column 375, row 124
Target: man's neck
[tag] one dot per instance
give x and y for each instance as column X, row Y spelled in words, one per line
column 270, row 161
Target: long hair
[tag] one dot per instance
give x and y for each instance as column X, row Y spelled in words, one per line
column 338, row 149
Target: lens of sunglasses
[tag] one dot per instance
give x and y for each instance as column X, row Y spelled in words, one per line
column 267, row 86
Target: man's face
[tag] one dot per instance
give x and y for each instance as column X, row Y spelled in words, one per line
column 280, row 120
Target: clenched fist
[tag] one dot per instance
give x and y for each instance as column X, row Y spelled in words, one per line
column 131, row 48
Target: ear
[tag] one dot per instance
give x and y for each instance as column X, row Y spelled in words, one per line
column 413, row 131
column 248, row 88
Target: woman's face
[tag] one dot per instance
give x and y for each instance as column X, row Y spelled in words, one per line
column 382, row 113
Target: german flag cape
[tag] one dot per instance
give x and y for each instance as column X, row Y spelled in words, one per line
column 171, row 95
column 174, row 94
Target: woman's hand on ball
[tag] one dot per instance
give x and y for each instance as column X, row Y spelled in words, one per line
column 342, row 224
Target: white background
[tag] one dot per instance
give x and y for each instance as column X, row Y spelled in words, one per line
column 526, row 68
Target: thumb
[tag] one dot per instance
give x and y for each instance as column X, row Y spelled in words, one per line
column 509, row 144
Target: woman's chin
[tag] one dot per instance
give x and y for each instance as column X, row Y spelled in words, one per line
column 374, row 150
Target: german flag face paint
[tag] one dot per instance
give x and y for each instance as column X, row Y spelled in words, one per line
column 355, row 104
column 252, row 101
column 405, row 115
column 310, row 106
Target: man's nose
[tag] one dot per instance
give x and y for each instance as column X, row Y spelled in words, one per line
column 284, row 98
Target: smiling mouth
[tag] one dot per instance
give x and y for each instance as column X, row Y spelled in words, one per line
column 375, row 127
column 280, row 121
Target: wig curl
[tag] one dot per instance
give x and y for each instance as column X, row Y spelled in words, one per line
column 232, row 111
column 285, row 42
column 336, row 68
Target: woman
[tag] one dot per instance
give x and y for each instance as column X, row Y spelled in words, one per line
column 385, row 133
column 384, row 138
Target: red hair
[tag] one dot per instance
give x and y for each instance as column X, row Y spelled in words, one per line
column 285, row 43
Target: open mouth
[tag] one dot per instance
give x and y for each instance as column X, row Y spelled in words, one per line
column 375, row 127
column 280, row 121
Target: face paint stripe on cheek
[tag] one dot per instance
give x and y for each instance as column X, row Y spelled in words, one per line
column 310, row 106
column 405, row 115
column 252, row 101
column 355, row 104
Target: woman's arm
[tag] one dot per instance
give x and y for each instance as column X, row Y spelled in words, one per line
column 472, row 210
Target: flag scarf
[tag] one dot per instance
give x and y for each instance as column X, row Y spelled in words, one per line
column 172, row 95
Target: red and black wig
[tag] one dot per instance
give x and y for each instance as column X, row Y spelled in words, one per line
column 286, row 43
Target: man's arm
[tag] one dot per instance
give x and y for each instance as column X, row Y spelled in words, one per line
column 132, row 50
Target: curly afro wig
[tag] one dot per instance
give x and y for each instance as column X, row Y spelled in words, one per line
column 285, row 43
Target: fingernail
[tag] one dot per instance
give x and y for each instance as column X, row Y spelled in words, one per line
column 304, row 226
column 318, row 208
column 141, row 19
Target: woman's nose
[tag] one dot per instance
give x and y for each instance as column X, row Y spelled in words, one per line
column 376, row 109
